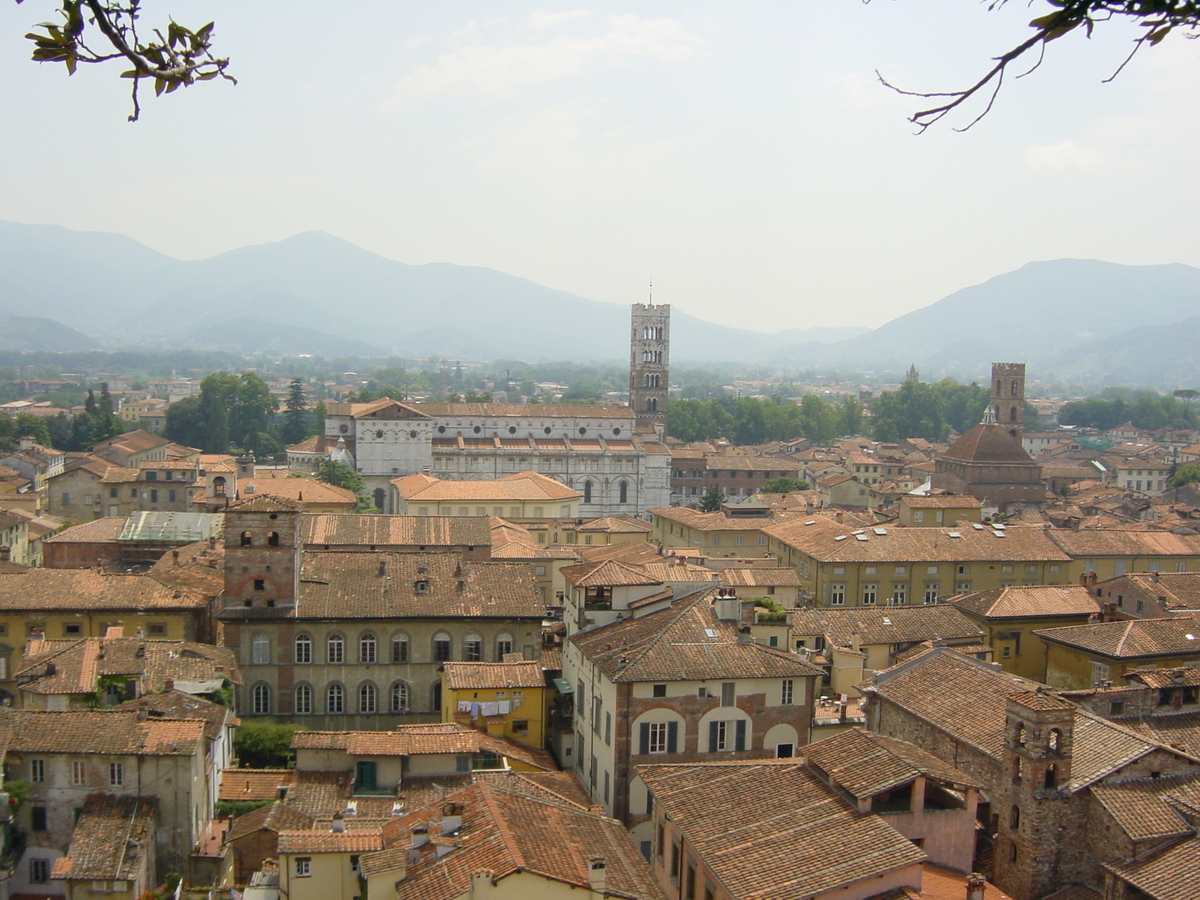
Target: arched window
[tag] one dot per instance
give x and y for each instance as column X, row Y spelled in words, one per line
column 504, row 644
column 1014, row 387
column 335, row 698
column 587, row 491
column 303, row 648
column 473, row 647
column 441, row 647
column 1014, row 818
column 435, row 696
column 652, row 404
column 260, row 699
column 247, row 539
column 273, row 539
column 1054, row 740
column 1020, row 735
column 335, row 649
column 399, row 702
column 623, row 492
column 366, row 649
column 399, row 648
column 1012, row 414
column 303, row 700
column 379, row 496
column 1051, row 779
column 368, row 698
column 219, row 486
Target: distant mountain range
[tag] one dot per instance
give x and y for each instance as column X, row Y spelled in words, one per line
column 314, row 293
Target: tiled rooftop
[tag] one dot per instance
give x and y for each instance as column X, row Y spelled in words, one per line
column 107, row 836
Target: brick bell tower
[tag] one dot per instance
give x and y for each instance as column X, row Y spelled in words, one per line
column 1008, row 396
column 1038, row 737
column 649, row 356
column 262, row 553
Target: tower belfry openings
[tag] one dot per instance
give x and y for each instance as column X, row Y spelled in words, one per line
column 1008, row 396
column 649, row 357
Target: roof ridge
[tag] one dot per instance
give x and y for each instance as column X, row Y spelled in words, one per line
column 686, row 606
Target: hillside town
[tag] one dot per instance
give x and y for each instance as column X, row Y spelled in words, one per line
column 488, row 648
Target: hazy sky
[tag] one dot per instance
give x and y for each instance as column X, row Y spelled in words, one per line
column 741, row 154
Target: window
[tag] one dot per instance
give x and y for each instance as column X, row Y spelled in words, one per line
column 303, row 700
column 837, row 595
column 1006, row 653
column 335, row 698
column 658, row 737
column 869, row 593
column 303, row 866
column 400, row 648
column 726, row 735
column 659, row 690
column 441, row 647
column 728, row 692
column 786, row 693
column 399, row 698
column 37, row 816
column 39, row 871
column 931, row 592
column 473, row 648
column 303, row 649
column 260, row 650
column 931, row 570
column 260, row 584
column 1006, row 570
column 368, row 698
column 159, row 628
column 623, row 492
column 587, row 492
column 335, row 649
column 71, row 629
column 504, row 646
column 37, row 770
column 608, row 728
column 78, row 772
column 899, row 594
column 260, row 700
column 966, row 570
column 116, row 774
column 366, row 649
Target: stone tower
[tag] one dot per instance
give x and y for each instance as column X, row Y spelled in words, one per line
column 1008, row 396
column 649, row 355
column 262, row 553
column 1038, row 738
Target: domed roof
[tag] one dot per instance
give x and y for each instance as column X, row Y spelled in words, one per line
column 988, row 442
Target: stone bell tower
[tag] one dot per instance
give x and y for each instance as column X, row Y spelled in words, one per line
column 262, row 553
column 1008, row 396
column 649, row 356
column 1038, row 737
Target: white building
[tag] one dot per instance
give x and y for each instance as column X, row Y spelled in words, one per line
column 616, row 462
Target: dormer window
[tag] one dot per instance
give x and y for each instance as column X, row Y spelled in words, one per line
column 421, row 586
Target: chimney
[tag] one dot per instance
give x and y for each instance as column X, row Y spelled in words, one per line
column 451, row 818
column 420, row 836
column 338, row 825
column 744, row 635
column 597, row 875
column 727, row 606
column 975, row 886
column 1154, row 576
column 839, row 516
column 169, row 685
column 141, row 714
column 175, row 557
column 482, row 882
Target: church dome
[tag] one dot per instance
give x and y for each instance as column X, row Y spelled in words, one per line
column 988, row 442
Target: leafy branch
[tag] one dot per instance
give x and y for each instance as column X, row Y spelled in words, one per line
column 177, row 59
column 1158, row 17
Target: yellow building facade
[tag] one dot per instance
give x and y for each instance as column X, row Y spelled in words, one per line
column 504, row 699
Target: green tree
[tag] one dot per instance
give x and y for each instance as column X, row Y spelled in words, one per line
column 915, row 410
column 96, row 31
column 712, row 499
column 295, row 416
column 1189, row 473
column 783, row 485
column 264, row 745
column 342, row 475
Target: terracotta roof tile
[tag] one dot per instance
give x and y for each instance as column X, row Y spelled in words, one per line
column 1029, row 602
column 326, row 841
column 482, row 676
column 867, row 764
column 117, row 733
column 41, row 589
column 254, row 784
column 885, row 625
column 335, row 530
column 1131, row 638
column 106, row 839
column 740, row 837
column 684, row 642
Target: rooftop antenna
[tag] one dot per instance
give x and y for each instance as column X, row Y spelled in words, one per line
column 651, row 291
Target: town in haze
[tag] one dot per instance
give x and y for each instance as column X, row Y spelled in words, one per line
column 644, row 451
